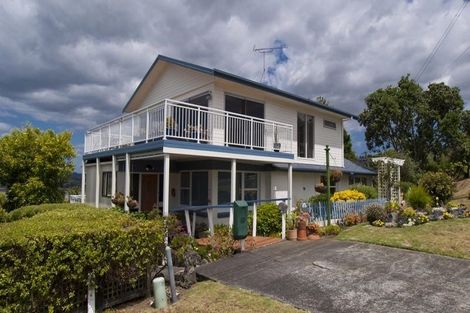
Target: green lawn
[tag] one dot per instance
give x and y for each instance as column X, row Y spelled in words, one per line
column 447, row 237
column 212, row 297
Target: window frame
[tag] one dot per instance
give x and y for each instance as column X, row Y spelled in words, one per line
column 106, row 184
column 307, row 133
column 325, row 124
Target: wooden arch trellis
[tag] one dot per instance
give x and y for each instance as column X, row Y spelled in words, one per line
column 388, row 179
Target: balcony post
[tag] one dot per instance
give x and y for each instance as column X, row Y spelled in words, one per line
column 120, row 132
column 101, row 141
column 166, row 184
column 109, row 136
column 251, row 133
column 226, row 129
column 82, row 197
column 113, row 178
column 97, row 183
column 132, row 126
column 233, row 190
column 198, row 124
column 164, row 119
column 147, row 126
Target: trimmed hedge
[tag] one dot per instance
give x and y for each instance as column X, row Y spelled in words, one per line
column 268, row 220
column 32, row 210
column 46, row 260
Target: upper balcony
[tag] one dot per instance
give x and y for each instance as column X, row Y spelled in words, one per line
column 178, row 120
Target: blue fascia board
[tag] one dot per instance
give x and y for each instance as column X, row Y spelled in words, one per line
column 159, row 145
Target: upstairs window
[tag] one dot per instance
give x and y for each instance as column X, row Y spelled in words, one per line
column 305, row 136
column 329, row 124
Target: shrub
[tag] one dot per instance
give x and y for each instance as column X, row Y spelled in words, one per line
column 447, row 216
column 378, row 223
column 32, row 210
column 408, row 213
column 330, row 230
column 3, row 200
column 452, row 204
column 439, row 185
column 347, row 195
column 222, row 241
column 47, row 259
column 418, row 198
column 3, row 215
column 369, row 191
column 392, row 206
column 268, row 220
column 375, row 212
column 351, row 219
column 405, row 186
column 421, row 218
column 323, row 197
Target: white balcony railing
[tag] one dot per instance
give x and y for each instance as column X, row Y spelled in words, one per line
column 172, row 119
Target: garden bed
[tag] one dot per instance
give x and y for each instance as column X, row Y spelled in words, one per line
column 445, row 237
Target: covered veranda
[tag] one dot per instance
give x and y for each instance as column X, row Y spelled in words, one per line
column 167, row 159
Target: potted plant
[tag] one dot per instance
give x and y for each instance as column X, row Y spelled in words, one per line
column 276, row 144
column 132, row 204
column 291, row 226
column 335, row 176
column 312, row 231
column 118, row 200
column 302, row 221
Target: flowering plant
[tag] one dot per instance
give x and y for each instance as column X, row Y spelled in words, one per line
column 348, row 195
column 378, row 223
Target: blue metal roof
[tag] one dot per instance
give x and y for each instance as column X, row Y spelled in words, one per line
column 349, row 168
column 241, row 80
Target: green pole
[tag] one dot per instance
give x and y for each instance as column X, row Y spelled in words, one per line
column 328, row 195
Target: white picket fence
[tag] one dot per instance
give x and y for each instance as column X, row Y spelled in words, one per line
column 339, row 209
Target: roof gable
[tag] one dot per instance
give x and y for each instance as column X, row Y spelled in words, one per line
column 153, row 72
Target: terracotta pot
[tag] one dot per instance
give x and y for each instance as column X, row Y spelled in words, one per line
column 291, row 234
column 302, row 231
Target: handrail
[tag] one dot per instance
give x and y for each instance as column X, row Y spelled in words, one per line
column 197, row 208
column 151, row 122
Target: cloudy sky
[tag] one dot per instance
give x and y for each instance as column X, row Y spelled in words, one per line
column 72, row 64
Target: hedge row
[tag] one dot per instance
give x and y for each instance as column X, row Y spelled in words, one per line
column 46, row 260
column 31, row 210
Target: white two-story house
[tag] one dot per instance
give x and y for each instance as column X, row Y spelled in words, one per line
column 192, row 136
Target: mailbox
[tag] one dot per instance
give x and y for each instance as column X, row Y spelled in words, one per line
column 240, row 219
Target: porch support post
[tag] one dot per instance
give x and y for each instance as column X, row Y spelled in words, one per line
column 188, row 222
column 113, row 178
column 193, row 228
column 289, row 187
column 233, row 190
column 127, row 183
column 166, row 184
column 82, row 197
column 97, row 183
column 254, row 219
column 210, row 219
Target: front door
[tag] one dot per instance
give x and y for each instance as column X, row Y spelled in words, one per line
column 149, row 192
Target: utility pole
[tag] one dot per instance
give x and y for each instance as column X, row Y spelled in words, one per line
column 328, row 193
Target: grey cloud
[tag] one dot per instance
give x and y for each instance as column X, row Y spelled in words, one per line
column 77, row 62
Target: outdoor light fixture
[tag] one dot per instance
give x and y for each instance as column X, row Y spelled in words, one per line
column 148, row 168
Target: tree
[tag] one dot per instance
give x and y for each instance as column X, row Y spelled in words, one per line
column 423, row 124
column 34, row 165
column 348, row 150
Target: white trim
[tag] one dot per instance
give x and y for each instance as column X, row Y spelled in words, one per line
column 212, row 154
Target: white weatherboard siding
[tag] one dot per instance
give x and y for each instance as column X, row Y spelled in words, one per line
column 177, row 83
column 285, row 111
column 303, row 184
column 91, row 184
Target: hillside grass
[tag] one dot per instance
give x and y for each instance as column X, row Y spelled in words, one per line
column 446, row 237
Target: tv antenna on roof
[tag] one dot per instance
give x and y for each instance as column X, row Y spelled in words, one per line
column 265, row 51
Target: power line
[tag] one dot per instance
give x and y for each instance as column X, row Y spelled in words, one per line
column 457, row 60
column 440, row 41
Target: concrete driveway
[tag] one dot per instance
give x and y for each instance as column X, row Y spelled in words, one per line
column 336, row 276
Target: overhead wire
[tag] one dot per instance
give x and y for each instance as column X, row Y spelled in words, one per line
column 440, row 41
